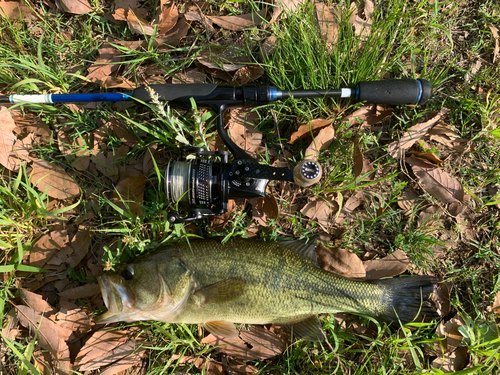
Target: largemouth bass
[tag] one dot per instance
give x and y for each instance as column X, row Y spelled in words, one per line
column 253, row 282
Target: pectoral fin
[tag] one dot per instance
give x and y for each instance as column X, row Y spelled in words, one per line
column 308, row 329
column 223, row 291
column 223, row 329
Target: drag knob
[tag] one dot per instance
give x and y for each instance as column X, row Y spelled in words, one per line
column 307, row 173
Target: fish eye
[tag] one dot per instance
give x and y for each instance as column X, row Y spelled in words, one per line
column 128, row 273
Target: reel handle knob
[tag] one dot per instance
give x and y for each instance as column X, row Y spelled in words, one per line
column 307, row 173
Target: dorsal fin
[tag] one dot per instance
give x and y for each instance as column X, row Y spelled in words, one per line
column 303, row 247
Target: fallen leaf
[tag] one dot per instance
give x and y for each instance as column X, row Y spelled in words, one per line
column 84, row 291
column 51, row 336
column 36, row 302
column 341, row 262
column 14, row 11
column 130, row 190
column 7, row 137
column 118, row 83
column 100, row 343
column 267, row 48
column 441, row 298
column 309, row 130
column 264, row 209
column 137, row 25
column 190, row 76
column 242, row 130
column 75, row 6
column 241, row 22
column 496, row 37
column 54, row 180
column 392, row 265
column 369, row 115
column 349, row 206
column 496, row 304
column 437, row 182
column 451, row 362
column 106, row 63
column 321, row 142
column 46, row 246
column 449, row 330
column 408, row 200
column 398, row 149
column 20, row 152
column 328, row 17
column 320, row 210
column 127, row 355
column 168, row 19
column 362, row 27
column 286, row 6
column 427, row 156
column 257, row 343
column 72, row 317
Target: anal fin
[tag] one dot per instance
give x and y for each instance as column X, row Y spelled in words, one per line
column 223, row 329
column 308, row 329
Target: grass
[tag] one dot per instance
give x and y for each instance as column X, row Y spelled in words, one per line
column 440, row 42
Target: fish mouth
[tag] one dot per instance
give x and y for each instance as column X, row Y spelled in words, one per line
column 117, row 299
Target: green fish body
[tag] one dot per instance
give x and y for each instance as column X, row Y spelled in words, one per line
column 253, row 282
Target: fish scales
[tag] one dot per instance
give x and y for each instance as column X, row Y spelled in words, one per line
column 248, row 281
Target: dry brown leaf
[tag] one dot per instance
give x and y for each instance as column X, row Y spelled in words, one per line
column 353, row 202
column 328, row 17
column 168, row 19
column 137, row 25
column 239, row 23
column 264, row 209
column 427, row 156
column 37, row 303
column 496, row 304
column 449, row 330
column 392, row 265
column 309, row 130
column 54, row 180
column 46, row 246
column 362, row 27
column 7, row 138
column 14, row 10
column 341, row 262
column 267, row 48
column 118, row 83
column 131, row 191
column 248, row 73
column 242, row 129
column 72, row 317
column 84, row 291
column 369, row 115
column 320, row 210
column 190, row 76
column 125, row 354
column 408, row 200
column 257, row 343
column 437, row 182
column 74, row 6
column 496, row 37
column 451, row 362
column 286, row 6
column 99, row 344
column 20, row 152
column 441, row 299
column 398, row 149
column 106, row 63
column 50, row 335
column 321, row 142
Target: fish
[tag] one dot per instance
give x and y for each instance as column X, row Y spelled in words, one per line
column 248, row 281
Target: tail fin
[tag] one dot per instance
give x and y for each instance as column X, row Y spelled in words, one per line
column 405, row 298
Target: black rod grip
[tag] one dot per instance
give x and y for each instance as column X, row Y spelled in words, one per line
column 394, row 91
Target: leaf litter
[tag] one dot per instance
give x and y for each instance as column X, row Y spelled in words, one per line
column 73, row 318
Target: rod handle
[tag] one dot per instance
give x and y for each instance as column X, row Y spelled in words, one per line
column 394, row 91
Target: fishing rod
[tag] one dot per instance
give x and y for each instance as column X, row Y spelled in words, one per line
column 202, row 186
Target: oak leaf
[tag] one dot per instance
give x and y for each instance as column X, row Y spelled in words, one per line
column 392, row 265
column 53, row 179
column 321, row 142
column 75, row 6
column 7, row 137
column 257, row 343
column 309, row 130
column 241, row 22
column 341, row 262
